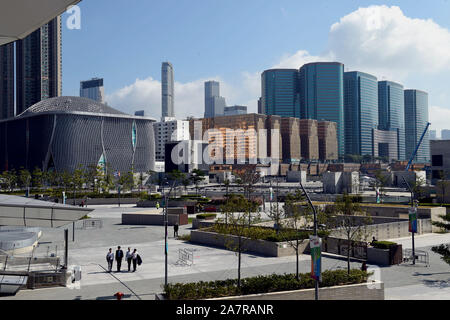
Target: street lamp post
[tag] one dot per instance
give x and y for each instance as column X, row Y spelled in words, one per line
column 316, row 293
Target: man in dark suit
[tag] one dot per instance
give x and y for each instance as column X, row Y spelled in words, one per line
column 119, row 257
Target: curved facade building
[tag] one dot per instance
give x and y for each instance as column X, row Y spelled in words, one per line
column 65, row 132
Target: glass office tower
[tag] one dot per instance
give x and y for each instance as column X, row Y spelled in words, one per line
column 39, row 66
column 322, row 95
column 391, row 112
column 361, row 112
column 280, row 92
column 416, row 119
column 7, row 81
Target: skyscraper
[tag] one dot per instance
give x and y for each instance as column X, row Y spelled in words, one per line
column 361, row 112
column 167, row 90
column 39, row 66
column 416, row 119
column 391, row 112
column 93, row 89
column 280, row 93
column 7, row 81
column 214, row 104
column 322, row 95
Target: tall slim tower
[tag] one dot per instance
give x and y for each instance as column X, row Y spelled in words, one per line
column 361, row 112
column 322, row 95
column 7, row 81
column 39, row 65
column 167, row 90
column 391, row 112
column 93, row 89
column 214, row 103
column 416, row 119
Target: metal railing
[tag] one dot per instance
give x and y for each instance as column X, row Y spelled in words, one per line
column 421, row 256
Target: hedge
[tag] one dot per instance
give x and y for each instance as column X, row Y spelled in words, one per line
column 383, row 244
column 267, row 234
column 260, row 284
column 205, row 215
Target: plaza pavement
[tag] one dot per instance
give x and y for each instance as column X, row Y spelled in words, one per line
column 91, row 245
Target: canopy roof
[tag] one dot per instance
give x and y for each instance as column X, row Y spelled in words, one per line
column 19, row 18
column 26, row 212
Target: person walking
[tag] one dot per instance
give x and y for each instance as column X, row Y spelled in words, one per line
column 175, row 230
column 364, row 266
column 129, row 257
column 110, row 259
column 134, row 256
column 119, row 257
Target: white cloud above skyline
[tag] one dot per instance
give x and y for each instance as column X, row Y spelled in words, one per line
column 379, row 40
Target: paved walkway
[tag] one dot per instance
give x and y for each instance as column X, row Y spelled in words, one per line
column 89, row 251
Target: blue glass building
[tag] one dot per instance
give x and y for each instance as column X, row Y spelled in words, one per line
column 322, row 95
column 280, row 92
column 391, row 112
column 361, row 112
column 416, row 119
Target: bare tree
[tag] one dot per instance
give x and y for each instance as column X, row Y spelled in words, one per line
column 238, row 210
column 351, row 222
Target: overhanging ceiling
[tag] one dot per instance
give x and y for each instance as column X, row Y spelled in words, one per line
column 26, row 212
column 19, row 18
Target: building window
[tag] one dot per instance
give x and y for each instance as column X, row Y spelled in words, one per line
column 437, row 160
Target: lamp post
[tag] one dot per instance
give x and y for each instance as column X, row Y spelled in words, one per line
column 316, row 293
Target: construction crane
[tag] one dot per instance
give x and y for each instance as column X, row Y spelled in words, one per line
column 417, row 147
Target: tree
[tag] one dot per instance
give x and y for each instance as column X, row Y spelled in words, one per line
column 24, row 178
column 226, row 183
column 78, row 179
column 417, row 187
column 442, row 185
column 443, row 250
column 38, row 178
column 351, row 222
column 380, row 183
column 127, row 180
column 9, row 179
column 237, row 211
column 297, row 217
column 197, row 177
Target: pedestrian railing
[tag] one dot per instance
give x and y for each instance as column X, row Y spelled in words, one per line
column 421, row 256
column 92, row 224
column 185, row 257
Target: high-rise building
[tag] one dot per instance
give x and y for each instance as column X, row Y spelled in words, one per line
column 416, row 120
column 234, row 110
column 260, row 109
column 214, row 104
column 39, row 66
column 93, row 89
column 391, row 112
column 361, row 112
column 445, row 134
column 167, row 90
column 169, row 130
column 7, row 81
column 280, row 93
column 433, row 135
column 322, row 95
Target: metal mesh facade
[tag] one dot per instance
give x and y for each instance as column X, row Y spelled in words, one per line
column 51, row 135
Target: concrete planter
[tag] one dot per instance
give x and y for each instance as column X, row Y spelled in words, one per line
column 262, row 247
column 362, row 291
column 378, row 256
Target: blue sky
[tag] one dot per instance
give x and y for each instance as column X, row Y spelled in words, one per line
column 233, row 41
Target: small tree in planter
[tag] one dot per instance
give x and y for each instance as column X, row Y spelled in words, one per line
column 351, row 222
column 238, row 212
column 443, row 250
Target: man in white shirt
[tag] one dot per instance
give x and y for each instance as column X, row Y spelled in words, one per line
column 129, row 257
column 110, row 259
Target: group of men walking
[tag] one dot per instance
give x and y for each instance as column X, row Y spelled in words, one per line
column 131, row 258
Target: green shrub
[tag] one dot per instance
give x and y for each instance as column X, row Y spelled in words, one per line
column 383, row 244
column 260, row 284
column 205, row 215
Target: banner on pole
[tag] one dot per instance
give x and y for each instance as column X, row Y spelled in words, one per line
column 315, row 244
column 413, row 219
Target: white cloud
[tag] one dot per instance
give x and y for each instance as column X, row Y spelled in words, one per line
column 439, row 118
column 378, row 39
